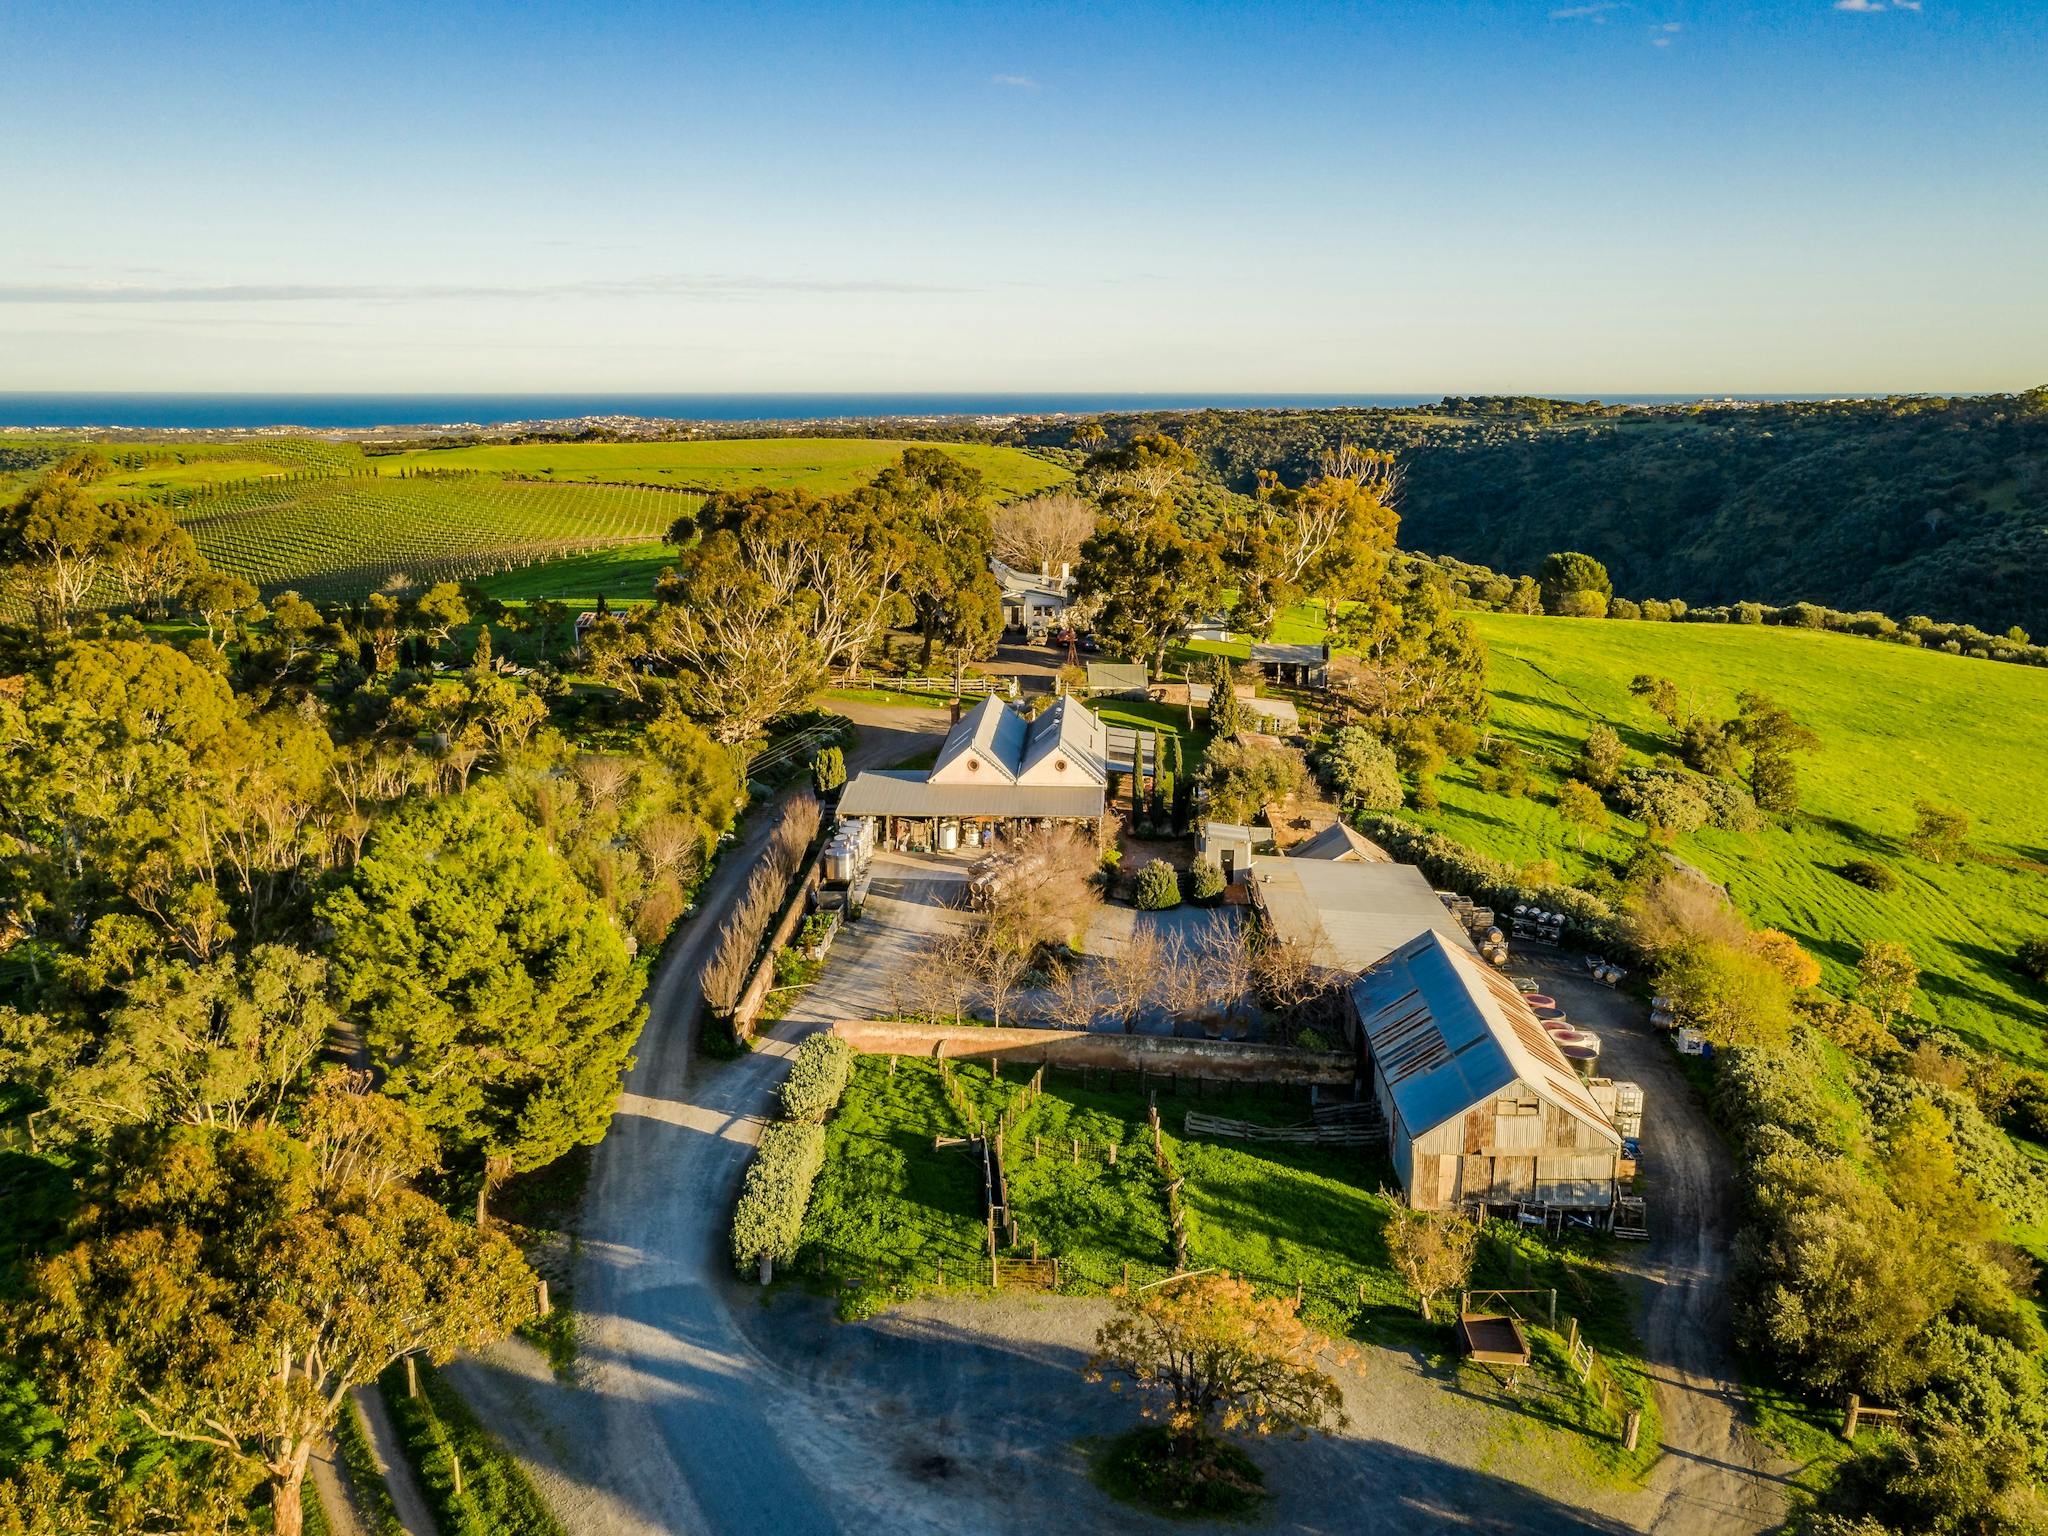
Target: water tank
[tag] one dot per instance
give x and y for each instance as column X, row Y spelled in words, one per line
column 949, row 836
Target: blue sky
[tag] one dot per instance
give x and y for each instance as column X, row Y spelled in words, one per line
column 1781, row 195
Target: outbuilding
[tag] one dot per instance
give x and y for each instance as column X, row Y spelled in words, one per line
column 1482, row 1109
column 1294, row 666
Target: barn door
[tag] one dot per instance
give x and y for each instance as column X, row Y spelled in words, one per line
column 1476, row 1181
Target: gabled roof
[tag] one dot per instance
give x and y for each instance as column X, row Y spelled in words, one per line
column 1017, row 583
column 1343, row 844
column 1065, row 745
column 1446, row 1033
column 984, row 746
column 1349, row 916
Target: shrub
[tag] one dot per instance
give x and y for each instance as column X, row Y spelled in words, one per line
column 770, row 1214
column 1361, row 768
column 1205, row 880
column 817, row 1077
column 1601, row 759
column 828, row 770
column 1158, row 887
column 1663, row 797
column 1729, row 806
column 1244, row 776
column 1622, row 608
column 1940, row 832
column 1869, row 874
column 2032, row 957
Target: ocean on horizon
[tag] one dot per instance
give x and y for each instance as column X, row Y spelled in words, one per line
column 343, row 412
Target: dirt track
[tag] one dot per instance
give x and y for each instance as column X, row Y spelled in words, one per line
column 700, row 1407
column 1716, row 1478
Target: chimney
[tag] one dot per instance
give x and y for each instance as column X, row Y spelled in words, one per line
column 956, row 709
column 1044, row 569
column 1064, row 577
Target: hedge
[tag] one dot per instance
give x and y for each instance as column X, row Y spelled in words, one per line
column 817, row 1077
column 770, row 1214
column 1451, row 865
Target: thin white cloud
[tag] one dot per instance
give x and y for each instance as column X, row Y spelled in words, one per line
column 1014, row 82
column 1596, row 12
column 303, row 293
column 1664, row 32
column 1863, row 7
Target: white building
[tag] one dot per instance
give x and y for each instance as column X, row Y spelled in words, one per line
column 1035, row 602
column 995, row 769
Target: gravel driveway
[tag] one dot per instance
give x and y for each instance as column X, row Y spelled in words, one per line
column 1716, row 1478
column 702, row 1405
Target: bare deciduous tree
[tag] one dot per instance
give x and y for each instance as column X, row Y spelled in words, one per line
column 1039, row 890
column 999, row 970
column 1131, row 976
column 1076, row 998
column 1044, row 532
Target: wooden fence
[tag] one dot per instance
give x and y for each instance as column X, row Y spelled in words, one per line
column 966, row 687
column 1355, row 1125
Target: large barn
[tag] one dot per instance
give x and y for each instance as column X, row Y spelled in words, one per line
column 1481, row 1105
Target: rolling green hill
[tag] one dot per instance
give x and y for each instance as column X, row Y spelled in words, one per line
column 1929, row 506
column 1895, row 724
column 349, row 534
column 569, row 520
column 823, row 465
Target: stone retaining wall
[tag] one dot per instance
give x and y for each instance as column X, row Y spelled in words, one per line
column 1162, row 1055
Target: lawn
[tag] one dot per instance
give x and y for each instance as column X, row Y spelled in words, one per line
column 1895, row 723
column 888, row 1204
column 621, row 575
column 824, row 465
column 1166, row 719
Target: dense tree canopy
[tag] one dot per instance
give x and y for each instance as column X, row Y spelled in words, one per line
column 490, row 989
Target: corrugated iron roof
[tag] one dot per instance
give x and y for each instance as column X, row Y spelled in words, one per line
column 1349, row 915
column 1341, row 842
column 1066, row 733
column 903, row 792
column 987, row 740
column 1118, row 676
column 1447, row 1033
column 1264, row 651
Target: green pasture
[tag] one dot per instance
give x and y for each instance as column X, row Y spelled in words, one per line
column 889, row 1204
column 824, row 465
column 1896, row 723
column 626, row 573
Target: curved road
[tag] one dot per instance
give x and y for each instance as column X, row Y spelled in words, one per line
column 696, row 1410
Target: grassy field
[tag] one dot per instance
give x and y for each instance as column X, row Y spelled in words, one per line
column 823, row 465
column 626, row 573
column 1895, row 723
column 888, row 1208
